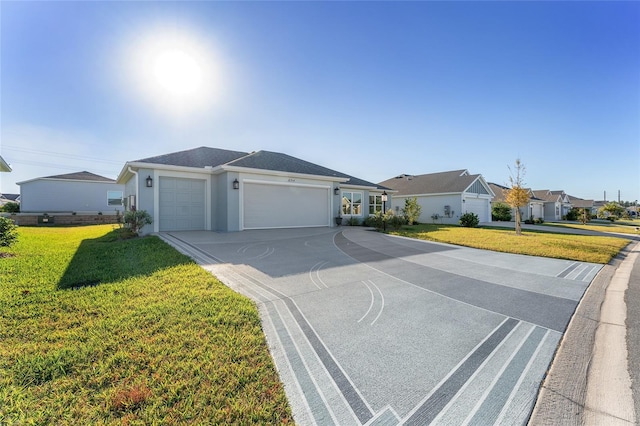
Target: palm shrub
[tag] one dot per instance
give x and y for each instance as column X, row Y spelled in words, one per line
column 470, row 220
column 8, row 232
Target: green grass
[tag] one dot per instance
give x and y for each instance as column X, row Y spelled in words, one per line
column 622, row 227
column 561, row 246
column 98, row 330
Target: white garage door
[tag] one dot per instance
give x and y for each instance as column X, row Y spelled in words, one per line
column 479, row 206
column 181, row 204
column 268, row 205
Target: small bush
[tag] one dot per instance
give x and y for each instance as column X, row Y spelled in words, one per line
column 573, row 214
column 394, row 221
column 501, row 212
column 539, row 220
column 369, row 221
column 135, row 220
column 8, row 232
column 469, row 220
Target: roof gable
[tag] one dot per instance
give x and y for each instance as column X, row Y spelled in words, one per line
column 84, row 176
column 434, row 183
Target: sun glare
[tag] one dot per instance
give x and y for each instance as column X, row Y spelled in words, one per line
column 176, row 72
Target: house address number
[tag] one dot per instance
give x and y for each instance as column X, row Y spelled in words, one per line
column 291, row 180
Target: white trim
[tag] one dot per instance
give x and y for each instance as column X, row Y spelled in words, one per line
column 110, row 182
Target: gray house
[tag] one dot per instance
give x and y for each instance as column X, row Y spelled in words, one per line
column 444, row 196
column 556, row 203
column 221, row 190
column 533, row 210
column 72, row 192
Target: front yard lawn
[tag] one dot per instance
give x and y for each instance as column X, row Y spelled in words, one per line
column 616, row 227
column 98, row 330
column 561, row 246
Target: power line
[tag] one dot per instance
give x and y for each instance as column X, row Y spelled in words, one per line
column 57, row 154
column 57, row 166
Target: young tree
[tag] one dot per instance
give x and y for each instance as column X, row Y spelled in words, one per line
column 517, row 196
column 411, row 210
column 8, row 232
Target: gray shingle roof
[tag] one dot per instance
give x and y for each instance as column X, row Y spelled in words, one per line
column 197, row 157
column 87, row 176
column 433, row 183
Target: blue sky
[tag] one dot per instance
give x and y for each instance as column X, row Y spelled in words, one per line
column 373, row 89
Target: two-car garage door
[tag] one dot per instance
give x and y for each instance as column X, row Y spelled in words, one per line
column 271, row 205
column 182, row 204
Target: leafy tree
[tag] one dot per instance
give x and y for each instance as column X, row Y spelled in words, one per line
column 517, row 196
column 585, row 216
column 411, row 210
column 11, row 207
column 8, row 232
column 501, row 211
column 135, row 220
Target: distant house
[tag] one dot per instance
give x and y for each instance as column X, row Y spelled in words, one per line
column 556, row 203
column 9, row 198
column 216, row 189
column 533, row 210
column 4, row 167
column 444, row 196
column 73, row 192
column 581, row 203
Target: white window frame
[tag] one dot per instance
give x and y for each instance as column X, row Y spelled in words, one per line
column 375, row 206
column 351, row 203
column 111, row 199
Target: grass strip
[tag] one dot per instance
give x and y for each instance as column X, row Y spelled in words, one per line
column 595, row 249
column 99, row 330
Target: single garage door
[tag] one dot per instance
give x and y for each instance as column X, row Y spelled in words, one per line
column 181, row 204
column 479, row 206
column 268, row 205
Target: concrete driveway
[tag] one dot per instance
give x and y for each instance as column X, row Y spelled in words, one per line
column 367, row 328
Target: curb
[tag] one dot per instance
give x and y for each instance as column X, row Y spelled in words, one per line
column 563, row 393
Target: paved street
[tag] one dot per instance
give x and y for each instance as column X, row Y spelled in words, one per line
column 371, row 329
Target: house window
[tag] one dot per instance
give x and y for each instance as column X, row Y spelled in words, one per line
column 114, row 198
column 375, row 204
column 352, row 203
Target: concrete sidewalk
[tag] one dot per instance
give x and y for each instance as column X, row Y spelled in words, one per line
column 589, row 381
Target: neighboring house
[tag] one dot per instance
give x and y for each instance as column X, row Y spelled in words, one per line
column 581, row 203
column 444, row 196
column 73, row 192
column 216, row 189
column 4, row 167
column 533, row 210
column 9, row 198
column 556, row 203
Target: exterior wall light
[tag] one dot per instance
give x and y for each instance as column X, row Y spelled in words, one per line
column 336, row 190
column 149, row 182
column 236, row 184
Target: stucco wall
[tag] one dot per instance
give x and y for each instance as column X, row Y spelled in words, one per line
column 49, row 196
column 435, row 204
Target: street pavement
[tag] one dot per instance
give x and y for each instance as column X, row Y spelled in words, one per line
column 366, row 328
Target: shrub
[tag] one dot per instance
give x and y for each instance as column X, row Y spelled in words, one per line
column 353, row 221
column 573, row 214
column 411, row 210
column 469, row 220
column 11, row 207
column 394, row 221
column 135, row 220
column 8, row 232
column 369, row 221
column 539, row 220
column 501, row 211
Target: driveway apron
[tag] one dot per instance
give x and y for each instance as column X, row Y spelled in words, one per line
column 366, row 328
